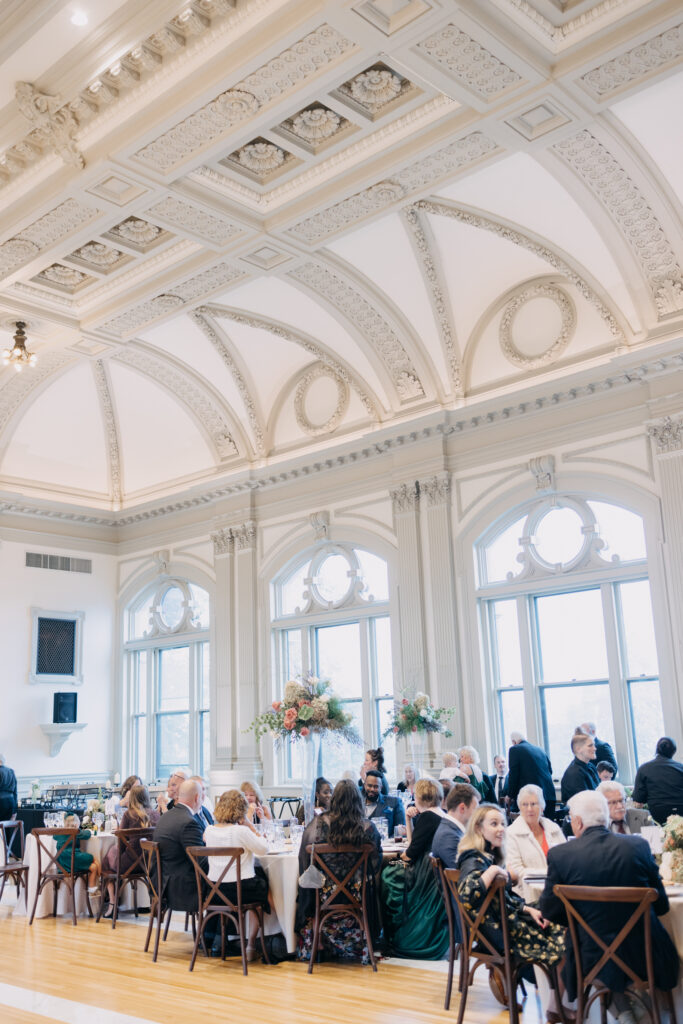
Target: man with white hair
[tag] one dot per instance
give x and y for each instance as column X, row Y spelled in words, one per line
column 622, row 821
column 165, row 801
column 178, row 829
column 600, row 858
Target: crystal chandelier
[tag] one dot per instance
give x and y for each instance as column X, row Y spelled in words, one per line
column 18, row 357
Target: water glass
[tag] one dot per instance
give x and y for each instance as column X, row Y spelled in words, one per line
column 383, row 828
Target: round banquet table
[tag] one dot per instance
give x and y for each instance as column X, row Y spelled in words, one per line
column 97, row 845
column 282, row 869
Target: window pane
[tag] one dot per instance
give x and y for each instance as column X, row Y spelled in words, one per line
column 506, row 653
column 140, row 623
column 512, row 713
column 206, row 676
column 292, row 591
column 204, row 742
column 501, row 554
column 339, row 658
column 558, row 536
column 571, row 634
column 337, row 757
column 173, row 743
column 141, row 663
column 172, row 607
column 565, row 707
column 384, row 673
column 375, row 574
column 200, row 599
column 333, row 580
column 621, row 530
column 646, row 717
column 639, row 630
column 291, row 653
column 140, row 745
column 385, row 709
column 174, row 681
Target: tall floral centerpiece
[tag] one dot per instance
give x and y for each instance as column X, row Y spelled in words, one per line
column 309, row 710
column 414, row 718
column 672, row 846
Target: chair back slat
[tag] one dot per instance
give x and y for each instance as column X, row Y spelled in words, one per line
column 42, row 835
column 207, row 888
column 341, row 896
column 126, row 839
column 470, row 926
column 12, row 840
column 151, row 862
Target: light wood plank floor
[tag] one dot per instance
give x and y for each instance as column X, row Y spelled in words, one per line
column 101, row 968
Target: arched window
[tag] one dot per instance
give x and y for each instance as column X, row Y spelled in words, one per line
column 330, row 618
column 566, row 614
column 167, row 668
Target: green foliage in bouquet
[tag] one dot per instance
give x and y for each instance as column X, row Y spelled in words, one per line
column 309, row 704
column 417, row 715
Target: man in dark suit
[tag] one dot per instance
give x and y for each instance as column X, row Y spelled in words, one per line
column 204, row 815
column 580, row 773
column 600, row 858
column 529, row 765
column 500, row 779
column 178, row 828
column 8, row 791
column 603, row 751
column 461, row 802
column 379, row 806
column 659, row 783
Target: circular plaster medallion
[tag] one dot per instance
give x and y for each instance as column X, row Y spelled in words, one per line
column 526, row 320
column 303, row 390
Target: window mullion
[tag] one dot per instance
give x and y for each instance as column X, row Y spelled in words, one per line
column 617, row 685
column 369, row 726
column 526, row 617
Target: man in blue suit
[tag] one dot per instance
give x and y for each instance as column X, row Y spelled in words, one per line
column 379, row 806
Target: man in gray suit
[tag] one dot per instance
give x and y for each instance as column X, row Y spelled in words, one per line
column 622, row 821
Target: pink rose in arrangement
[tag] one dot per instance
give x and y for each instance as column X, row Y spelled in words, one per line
column 395, row 728
column 414, row 729
column 305, row 731
column 276, row 705
column 404, row 702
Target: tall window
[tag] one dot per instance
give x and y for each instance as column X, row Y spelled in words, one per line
column 565, row 609
column 330, row 618
column 167, row 662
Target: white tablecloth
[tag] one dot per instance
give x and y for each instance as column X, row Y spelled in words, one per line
column 282, row 870
column 97, row 846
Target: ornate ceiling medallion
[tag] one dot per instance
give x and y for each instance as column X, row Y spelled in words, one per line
column 376, row 91
column 65, row 278
column 316, row 124
column 514, row 350
column 260, row 160
column 302, row 391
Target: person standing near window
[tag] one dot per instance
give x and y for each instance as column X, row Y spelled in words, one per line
column 581, row 773
column 8, row 790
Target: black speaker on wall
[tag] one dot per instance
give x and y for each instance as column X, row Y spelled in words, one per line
column 64, row 709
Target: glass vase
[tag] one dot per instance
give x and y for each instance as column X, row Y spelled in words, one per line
column 309, row 752
column 417, row 751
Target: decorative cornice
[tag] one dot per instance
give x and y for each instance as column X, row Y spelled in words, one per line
column 446, row 209
column 53, row 124
column 405, row 498
column 423, row 245
column 103, row 387
column 368, row 322
column 626, row 204
column 558, row 37
column 436, row 490
column 639, row 62
column 333, row 421
column 667, row 435
column 473, row 66
column 188, row 217
column 52, row 227
column 567, row 310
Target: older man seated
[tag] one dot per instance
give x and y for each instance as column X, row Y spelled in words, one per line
column 178, row 829
column 622, row 821
column 599, row 858
column 165, row 801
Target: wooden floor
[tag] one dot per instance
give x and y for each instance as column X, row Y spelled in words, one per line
column 107, row 972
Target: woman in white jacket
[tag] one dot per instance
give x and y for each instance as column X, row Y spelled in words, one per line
column 530, row 836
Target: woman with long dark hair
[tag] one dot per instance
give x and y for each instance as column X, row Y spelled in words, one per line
column 344, row 824
column 139, row 813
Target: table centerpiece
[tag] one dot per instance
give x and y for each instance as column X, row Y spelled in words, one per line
column 413, row 718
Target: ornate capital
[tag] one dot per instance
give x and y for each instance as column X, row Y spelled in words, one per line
column 223, row 542
column 543, row 469
column 436, row 489
column 320, row 521
column 244, row 536
column 667, row 435
column 405, row 498
column 161, row 560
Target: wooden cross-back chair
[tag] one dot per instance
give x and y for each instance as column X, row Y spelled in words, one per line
column 641, row 899
column 13, row 867
column 51, row 872
column 341, row 901
column 454, row 945
column 213, row 901
column 126, row 840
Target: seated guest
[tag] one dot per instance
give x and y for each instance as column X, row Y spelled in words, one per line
column 323, row 795
column 414, row 917
column 138, row 814
column 469, row 768
column 204, row 815
column 378, row 806
column 451, row 765
column 166, row 801
column 344, row 824
column 622, row 821
column 605, row 771
column 597, row 857
column 499, row 780
column 659, row 783
column 446, row 786
column 530, row 836
column 461, row 802
column 83, row 861
column 481, row 856
column 407, row 785
column 374, row 761
column 255, row 798
column 234, row 827
column 603, row 751
column 580, row 774
column 177, row 829
column 124, row 795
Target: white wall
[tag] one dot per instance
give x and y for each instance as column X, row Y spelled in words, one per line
column 87, row 754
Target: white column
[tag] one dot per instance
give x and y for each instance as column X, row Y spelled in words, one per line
column 222, row 719
column 245, row 691
column 405, row 502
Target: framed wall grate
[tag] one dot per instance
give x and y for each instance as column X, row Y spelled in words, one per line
column 56, row 647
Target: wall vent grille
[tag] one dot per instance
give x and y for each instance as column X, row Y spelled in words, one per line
column 34, row 560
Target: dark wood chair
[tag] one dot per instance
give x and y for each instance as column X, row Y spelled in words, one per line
column 51, row 872
column 127, row 840
column 158, row 909
column 454, row 945
column 641, row 899
column 477, row 950
column 13, row 867
column 213, row 902
column 341, row 901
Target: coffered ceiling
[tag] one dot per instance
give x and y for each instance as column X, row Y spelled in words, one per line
column 240, row 231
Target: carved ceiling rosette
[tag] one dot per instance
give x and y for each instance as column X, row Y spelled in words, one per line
column 511, row 349
column 316, row 124
column 302, row 389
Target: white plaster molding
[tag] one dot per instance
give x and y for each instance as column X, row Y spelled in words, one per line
column 244, row 536
column 436, row 490
column 315, row 125
column 543, row 472
column 624, row 201
column 473, row 66
column 53, row 124
column 47, row 230
column 526, row 294
column 103, row 387
column 559, row 34
column 405, row 499
column 636, row 64
column 223, row 542
column 58, row 733
column 303, row 385
column 667, row 435
column 189, row 217
column 368, row 322
column 320, row 523
column 17, row 388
